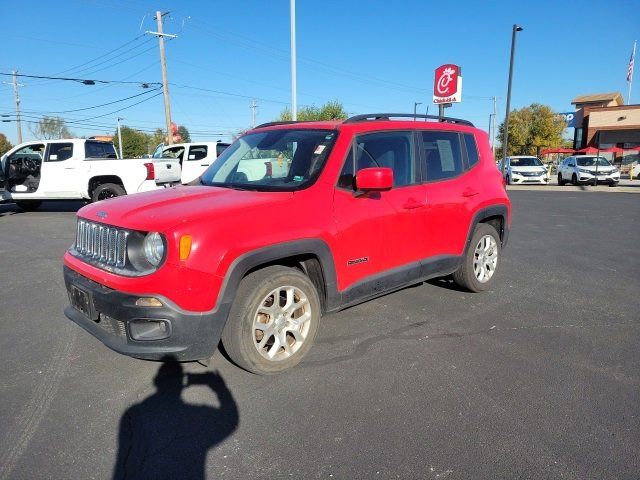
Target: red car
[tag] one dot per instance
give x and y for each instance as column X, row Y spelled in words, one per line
column 292, row 221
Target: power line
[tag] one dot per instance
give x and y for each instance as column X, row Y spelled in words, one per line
column 95, row 106
column 84, row 80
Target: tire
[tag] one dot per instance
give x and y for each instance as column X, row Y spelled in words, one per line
column 508, row 180
column 560, row 181
column 613, row 184
column 106, row 191
column 574, row 179
column 467, row 276
column 252, row 348
column 29, row 205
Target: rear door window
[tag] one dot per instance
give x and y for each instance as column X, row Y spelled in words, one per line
column 442, row 155
column 220, row 147
column 197, row 152
column 59, row 152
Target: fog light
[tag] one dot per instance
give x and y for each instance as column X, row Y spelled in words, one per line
column 148, row 302
column 145, row 329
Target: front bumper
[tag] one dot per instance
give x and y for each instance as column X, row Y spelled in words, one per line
column 192, row 335
column 519, row 179
column 589, row 178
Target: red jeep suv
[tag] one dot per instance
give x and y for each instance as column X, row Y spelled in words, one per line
column 293, row 220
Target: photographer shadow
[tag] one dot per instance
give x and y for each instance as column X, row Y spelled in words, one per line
column 164, row 437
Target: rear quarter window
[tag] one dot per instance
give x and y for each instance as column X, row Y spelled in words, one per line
column 472, row 149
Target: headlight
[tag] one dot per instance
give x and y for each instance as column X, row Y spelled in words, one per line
column 153, row 248
column 584, row 170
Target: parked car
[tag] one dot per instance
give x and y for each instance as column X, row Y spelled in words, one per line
column 581, row 169
column 525, row 169
column 74, row 169
column 194, row 157
column 368, row 205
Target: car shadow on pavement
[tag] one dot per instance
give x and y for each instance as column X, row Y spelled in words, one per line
column 7, row 209
column 164, row 437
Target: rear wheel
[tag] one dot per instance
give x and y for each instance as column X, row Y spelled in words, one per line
column 482, row 259
column 106, row 191
column 273, row 320
column 29, row 205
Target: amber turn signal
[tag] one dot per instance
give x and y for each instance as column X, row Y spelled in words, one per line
column 185, row 246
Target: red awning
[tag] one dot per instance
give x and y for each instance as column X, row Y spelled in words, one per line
column 588, row 150
column 612, row 150
column 557, row 150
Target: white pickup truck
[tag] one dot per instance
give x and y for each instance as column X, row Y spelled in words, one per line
column 194, row 157
column 77, row 169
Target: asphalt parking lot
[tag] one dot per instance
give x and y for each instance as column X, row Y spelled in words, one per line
column 539, row 378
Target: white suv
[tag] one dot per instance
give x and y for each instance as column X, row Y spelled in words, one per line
column 525, row 169
column 587, row 169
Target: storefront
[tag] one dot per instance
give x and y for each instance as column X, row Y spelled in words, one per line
column 603, row 122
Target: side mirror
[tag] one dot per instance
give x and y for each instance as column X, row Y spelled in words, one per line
column 374, row 179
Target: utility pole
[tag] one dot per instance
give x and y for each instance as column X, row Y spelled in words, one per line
column 163, row 63
column 17, row 98
column 120, row 137
column 294, row 101
column 415, row 110
column 505, row 141
column 253, row 105
column 493, row 129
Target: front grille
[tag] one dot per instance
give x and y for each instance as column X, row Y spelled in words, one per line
column 101, row 243
column 530, row 174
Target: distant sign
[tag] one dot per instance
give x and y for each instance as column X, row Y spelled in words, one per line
column 447, row 86
column 569, row 118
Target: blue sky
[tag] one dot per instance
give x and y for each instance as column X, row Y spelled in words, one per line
column 370, row 55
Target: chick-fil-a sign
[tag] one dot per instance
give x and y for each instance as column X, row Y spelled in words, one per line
column 447, row 87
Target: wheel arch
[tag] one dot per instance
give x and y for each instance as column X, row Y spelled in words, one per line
column 95, row 182
column 311, row 256
column 496, row 216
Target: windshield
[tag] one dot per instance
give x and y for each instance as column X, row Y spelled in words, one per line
column 99, row 150
column 276, row 160
column 525, row 162
column 592, row 161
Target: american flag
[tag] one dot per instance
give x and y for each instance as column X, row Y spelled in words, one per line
column 630, row 67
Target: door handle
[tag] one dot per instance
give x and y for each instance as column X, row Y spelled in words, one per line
column 204, row 164
column 412, row 203
column 469, row 192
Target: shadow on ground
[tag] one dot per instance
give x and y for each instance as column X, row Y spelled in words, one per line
column 7, row 209
column 164, row 437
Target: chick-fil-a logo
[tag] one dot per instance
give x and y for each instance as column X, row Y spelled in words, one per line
column 446, row 83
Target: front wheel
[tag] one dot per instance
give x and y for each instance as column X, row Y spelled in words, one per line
column 574, row 179
column 273, row 320
column 482, row 259
column 560, row 181
column 613, row 184
column 106, row 191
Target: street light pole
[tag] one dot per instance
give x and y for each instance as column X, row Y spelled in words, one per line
column 120, row 137
column 505, row 142
column 294, row 101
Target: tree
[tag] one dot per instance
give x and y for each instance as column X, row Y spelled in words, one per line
column 155, row 139
column 5, row 145
column 134, row 142
column 51, row 128
column 184, row 134
column 332, row 110
column 533, row 128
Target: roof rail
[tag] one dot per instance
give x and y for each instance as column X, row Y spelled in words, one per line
column 271, row 124
column 387, row 116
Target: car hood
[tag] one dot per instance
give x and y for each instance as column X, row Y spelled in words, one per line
column 162, row 209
